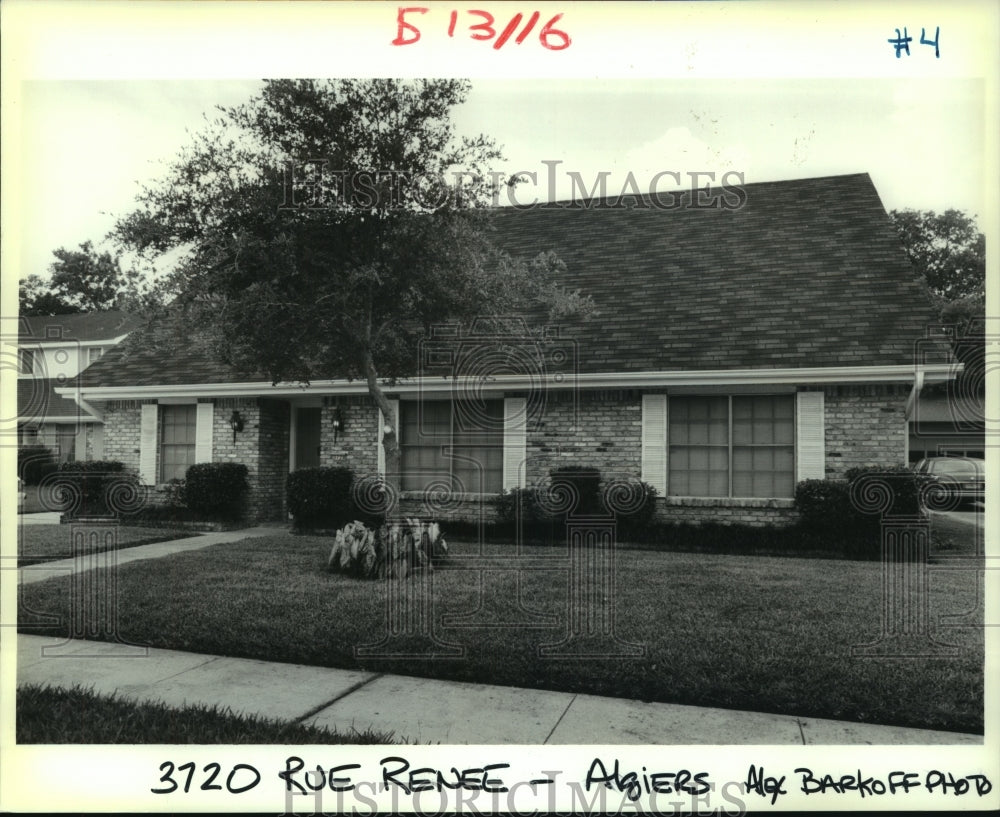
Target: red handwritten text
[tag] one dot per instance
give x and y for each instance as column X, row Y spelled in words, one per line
column 482, row 27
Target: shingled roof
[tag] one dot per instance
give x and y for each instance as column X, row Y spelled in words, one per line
column 82, row 326
column 37, row 401
column 807, row 273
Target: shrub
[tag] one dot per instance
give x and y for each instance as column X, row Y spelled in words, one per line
column 217, row 489
column 173, row 493
column 900, row 484
column 584, row 482
column 634, row 505
column 34, row 463
column 823, row 503
column 396, row 550
column 321, row 497
column 97, row 488
column 519, row 504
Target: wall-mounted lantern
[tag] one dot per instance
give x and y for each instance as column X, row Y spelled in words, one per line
column 235, row 423
column 339, row 421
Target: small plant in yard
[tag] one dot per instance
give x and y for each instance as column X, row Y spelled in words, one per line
column 396, row 550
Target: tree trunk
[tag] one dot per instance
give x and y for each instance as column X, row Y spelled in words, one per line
column 390, row 443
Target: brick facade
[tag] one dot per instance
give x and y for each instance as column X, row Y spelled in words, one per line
column 262, row 446
column 121, row 432
column 864, row 425
column 601, row 428
column 356, row 446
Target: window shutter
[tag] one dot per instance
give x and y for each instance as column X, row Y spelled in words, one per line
column 654, row 441
column 203, row 432
column 515, row 442
column 148, row 443
column 809, row 449
column 394, row 405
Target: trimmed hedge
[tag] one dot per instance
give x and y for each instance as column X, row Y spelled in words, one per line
column 217, row 489
column 325, row 498
column 98, row 488
column 35, row 462
column 847, row 514
column 584, row 483
column 636, row 513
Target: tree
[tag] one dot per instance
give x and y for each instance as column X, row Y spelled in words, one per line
column 949, row 254
column 946, row 249
column 36, row 298
column 93, row 281
column 85, row 280
column 325, row 225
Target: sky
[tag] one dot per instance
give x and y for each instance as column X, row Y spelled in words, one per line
column 90, row 144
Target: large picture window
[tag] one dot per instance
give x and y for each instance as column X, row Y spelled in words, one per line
column 178, row 426
column 735, row 446
column 453, row 445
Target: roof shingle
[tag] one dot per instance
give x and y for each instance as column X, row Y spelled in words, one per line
column 807, row 273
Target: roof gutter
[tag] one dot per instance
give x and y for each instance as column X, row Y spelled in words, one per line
column 550, row 381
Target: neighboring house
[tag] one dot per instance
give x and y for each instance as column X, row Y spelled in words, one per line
column 950, row 425
column 733, row 353
column 52, row 351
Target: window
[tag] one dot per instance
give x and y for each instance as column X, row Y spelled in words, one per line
column 738, row 446
column 459, row 446
column 94, row 354
column 177, row 438
column 27, row 361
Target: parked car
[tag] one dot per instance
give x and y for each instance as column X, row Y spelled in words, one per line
column 959, row 477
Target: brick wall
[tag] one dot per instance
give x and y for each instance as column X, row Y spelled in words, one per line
column 865, row 425
column 262, row 446
column 121, row 431
column 356, row 446
column 272, row 467
column 601, row 429
column 755, row 512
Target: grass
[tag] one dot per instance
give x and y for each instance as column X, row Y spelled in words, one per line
column 768, row 634
column 46, row 543
column 48, row 714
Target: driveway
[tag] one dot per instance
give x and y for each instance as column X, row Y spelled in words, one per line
column 974, row 515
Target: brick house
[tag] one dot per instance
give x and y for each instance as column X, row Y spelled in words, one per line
column 734, row 352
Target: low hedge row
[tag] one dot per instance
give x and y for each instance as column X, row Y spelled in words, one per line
column 329, row 498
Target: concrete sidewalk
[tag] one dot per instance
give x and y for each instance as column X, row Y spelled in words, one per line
column 418, row 710
column 30, row 574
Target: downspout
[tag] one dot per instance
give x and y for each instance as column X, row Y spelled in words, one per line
column 911, row 401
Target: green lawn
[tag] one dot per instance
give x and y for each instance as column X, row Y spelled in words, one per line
column 55, row 715
column 46, row 543
column 746, row 632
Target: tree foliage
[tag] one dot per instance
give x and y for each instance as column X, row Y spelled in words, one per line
column 946, row 249
column 85, row 280
column 35, row 297
column 325, row 225
column 949, row 254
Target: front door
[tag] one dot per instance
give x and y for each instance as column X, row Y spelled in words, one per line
column 307, row 436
